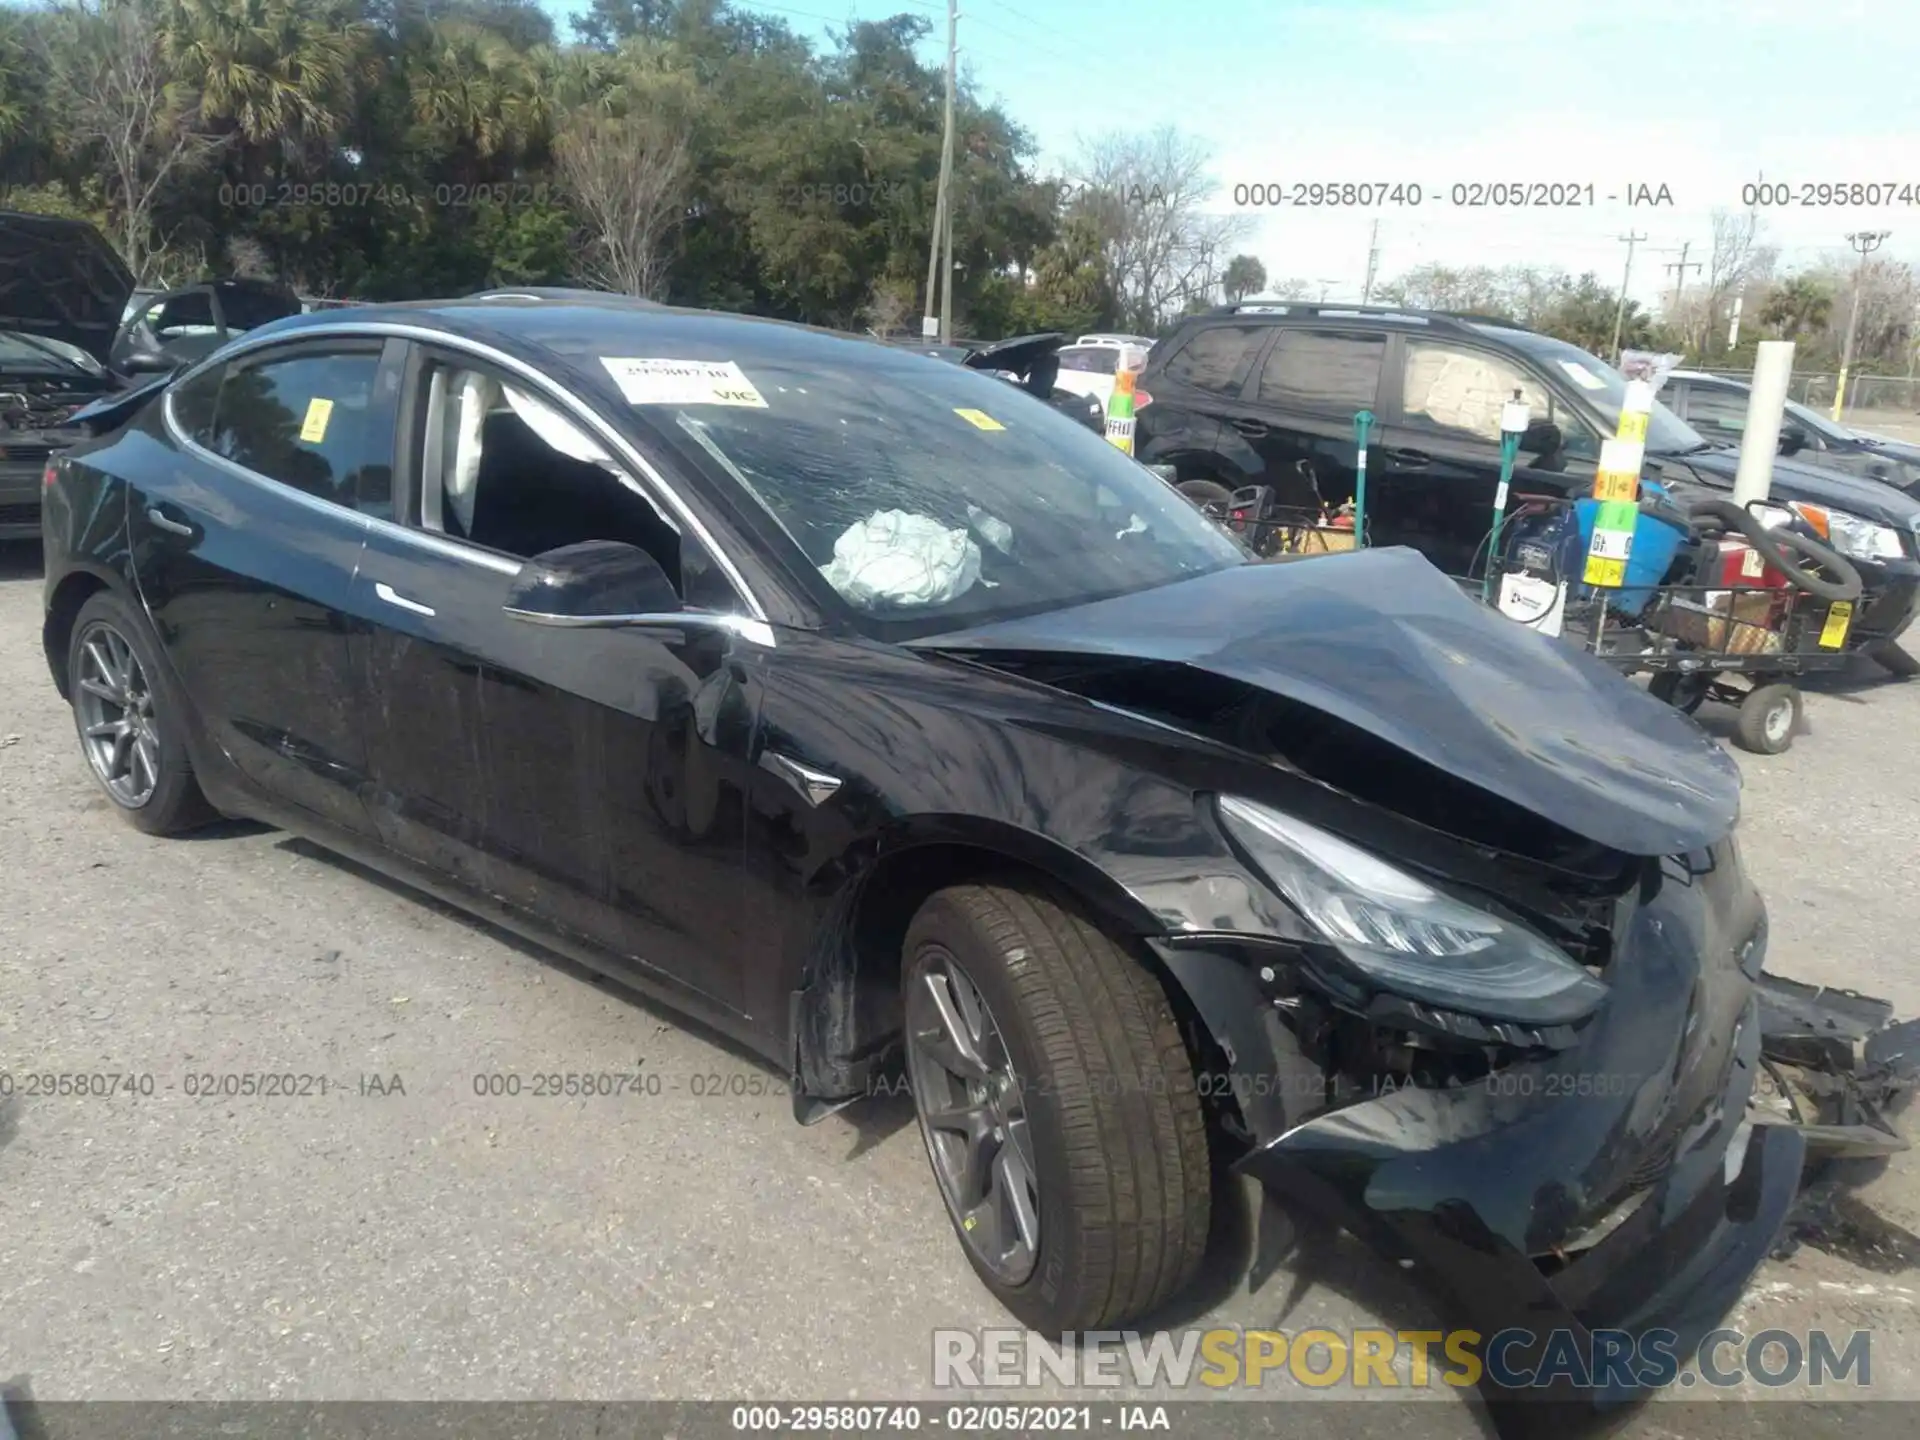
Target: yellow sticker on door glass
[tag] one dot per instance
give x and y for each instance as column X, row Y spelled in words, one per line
column 979, row 419
column 314, row 428
column 1834, row 633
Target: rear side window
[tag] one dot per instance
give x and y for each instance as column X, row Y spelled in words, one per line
column 316, row 423
column 1716, row 412
column 1323, row 370
column 1215, row 358
column 1094, row 359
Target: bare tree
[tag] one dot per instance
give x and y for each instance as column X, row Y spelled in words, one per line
column 111, row 85
column 1736, row 265
column 1147, row 195
column 627, row 174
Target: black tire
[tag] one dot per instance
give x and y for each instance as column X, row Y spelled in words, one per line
column 1769, row 717
column 1895, row 661
column 1686, row 693
column 1779, row 548
column 1206, row 495
column 175, row 803
column 1113, row 1108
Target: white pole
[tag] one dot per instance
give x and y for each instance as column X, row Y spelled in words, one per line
column 1760, row 441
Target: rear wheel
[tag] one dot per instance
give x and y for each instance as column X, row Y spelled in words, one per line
column 1769, row 716
column 1058, row 1106
column 129, row 723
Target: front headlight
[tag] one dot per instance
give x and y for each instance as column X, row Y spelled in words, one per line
column 1404, row 935
column 1853, row 537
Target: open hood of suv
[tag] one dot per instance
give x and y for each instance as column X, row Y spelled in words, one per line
column 60, row 279
column 1384, row 642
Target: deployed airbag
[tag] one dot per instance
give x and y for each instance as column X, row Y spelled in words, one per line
column 894, row 558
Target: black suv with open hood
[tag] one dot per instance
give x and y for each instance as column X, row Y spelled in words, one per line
column 62, row 291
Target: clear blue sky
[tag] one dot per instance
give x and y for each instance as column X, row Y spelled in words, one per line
column 1701, row 97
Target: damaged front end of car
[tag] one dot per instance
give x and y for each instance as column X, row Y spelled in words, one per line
column 1500, row 1008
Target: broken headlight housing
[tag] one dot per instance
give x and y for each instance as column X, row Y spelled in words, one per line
column 1404, row 936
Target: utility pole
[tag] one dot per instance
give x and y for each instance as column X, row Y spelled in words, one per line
column 1866, row 242
column 1373, row 264
column 1620, row 310
column 942, row 208
column 1680, row 268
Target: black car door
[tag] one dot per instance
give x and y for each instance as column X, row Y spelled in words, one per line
column 1437, row 450
column 591, row 778
column 245, row 543
column 1191, row 395
column 1297, row 412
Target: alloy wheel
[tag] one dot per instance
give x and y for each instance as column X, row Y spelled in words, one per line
column 118, row 727
column 973, row 1117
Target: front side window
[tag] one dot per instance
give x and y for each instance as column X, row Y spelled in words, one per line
column 1323, row 370
column 915, row 498
column 504, row 469
column 1215, row 358
column 1461, row 390
column 1717, row 414
column 314, row 422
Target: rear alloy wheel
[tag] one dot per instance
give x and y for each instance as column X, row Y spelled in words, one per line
column 120, row 709
column 1058, row 1106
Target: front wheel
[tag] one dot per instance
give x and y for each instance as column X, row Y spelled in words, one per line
column 1059, row 1109
column 1769, row 716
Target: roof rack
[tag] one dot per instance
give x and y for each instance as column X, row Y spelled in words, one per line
column 1500, row 321
column 1441, row 320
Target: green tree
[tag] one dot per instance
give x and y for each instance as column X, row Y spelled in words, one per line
column 1244, row 276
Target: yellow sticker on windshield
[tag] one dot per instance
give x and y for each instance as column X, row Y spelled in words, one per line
column 980, row 420
column 314, row 428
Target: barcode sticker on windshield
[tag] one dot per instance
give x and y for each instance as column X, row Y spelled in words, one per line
column 683, row 382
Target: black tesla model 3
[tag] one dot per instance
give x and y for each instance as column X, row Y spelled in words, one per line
column 880, row 715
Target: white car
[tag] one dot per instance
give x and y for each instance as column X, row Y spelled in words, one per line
column 1088, row 366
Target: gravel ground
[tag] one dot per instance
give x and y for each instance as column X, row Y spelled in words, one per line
column 434, row 1244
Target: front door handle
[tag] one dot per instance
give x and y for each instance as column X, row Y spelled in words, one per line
column 1412, row 459
column 1252, row 429
column 163, row 521
column 393, row 597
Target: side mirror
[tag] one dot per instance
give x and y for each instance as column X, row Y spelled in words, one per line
column 1792, row 440
column 594, row 583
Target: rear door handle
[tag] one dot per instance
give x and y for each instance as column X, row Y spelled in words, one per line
column 393, row 597
column 163, row 521
column 1252, row 429
column 1412, row 459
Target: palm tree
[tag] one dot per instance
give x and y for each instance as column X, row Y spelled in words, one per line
column 475, row 98
column 1798, row 305
column 273, row 72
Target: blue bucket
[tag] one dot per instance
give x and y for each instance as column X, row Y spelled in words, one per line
column 1656, row 540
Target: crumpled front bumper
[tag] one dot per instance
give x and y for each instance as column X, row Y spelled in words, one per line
column 1618, row 1185
column 1441, row 1180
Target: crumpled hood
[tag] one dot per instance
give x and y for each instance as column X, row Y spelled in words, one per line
column 1383, row 641
column 60, row 279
